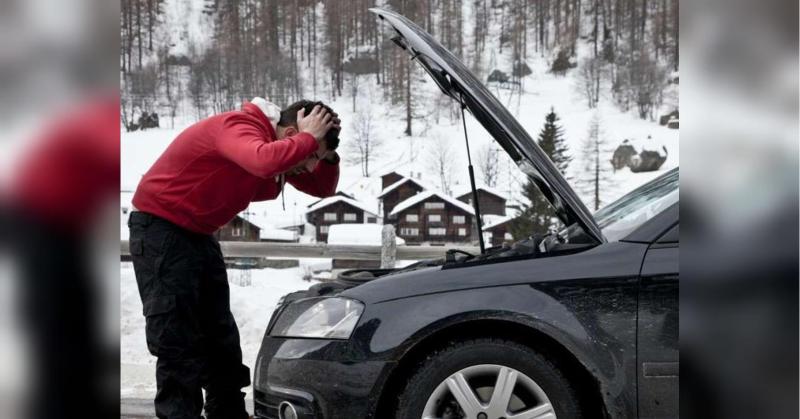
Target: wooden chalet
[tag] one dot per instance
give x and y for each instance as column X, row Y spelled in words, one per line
column 432, row 217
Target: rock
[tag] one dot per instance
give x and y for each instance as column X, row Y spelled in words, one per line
column 497, row 76
column 622, row 155
column 648, row 161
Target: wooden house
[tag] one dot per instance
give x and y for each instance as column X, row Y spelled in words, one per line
column 338, row 209
column 390, row 178
column 399, row 191
column 496, row 230
column 432, row 217
column 490, row 200
column 239, row 230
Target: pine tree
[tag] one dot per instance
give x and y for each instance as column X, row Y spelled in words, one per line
column 536, row 215
column 595, row 177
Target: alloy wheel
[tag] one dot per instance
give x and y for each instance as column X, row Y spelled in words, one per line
column 488, row 391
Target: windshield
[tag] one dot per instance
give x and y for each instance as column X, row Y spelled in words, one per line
column 624, row 215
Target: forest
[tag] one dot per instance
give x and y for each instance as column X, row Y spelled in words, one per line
column 289, row 49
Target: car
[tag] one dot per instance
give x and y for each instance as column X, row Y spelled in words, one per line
column 581, row 322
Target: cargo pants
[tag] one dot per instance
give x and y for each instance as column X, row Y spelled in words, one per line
column 183, row 284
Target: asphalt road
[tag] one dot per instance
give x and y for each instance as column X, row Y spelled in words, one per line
column 143, row 408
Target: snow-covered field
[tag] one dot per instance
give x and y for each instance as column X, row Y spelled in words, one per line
column 251, row 305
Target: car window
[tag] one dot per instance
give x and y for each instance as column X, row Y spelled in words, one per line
column 624, row 215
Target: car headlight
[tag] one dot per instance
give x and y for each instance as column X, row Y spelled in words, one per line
column 326, row 318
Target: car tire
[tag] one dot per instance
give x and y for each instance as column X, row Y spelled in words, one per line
column 438, row 367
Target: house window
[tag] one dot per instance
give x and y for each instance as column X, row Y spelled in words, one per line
column 371, row 220
column 459, row 219
column 434, row 218
column 323, row 229
column 434, row 205
column 409, row 232
column 236, row 232
column 462, row 231
column 412, row 218
column 330, row 216
column 349, row 216
column 437, row 231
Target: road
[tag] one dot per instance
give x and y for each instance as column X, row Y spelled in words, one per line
column 143, row 408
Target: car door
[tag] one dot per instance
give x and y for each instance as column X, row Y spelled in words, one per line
column 657, row 331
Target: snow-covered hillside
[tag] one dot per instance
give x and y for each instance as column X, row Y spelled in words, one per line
column 409, row 154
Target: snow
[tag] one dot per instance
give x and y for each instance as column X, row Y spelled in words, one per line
column 416, row 199
column 492, row 220
column 277, row 234
column 397, row 184
column 251, row 305
column 358, row 234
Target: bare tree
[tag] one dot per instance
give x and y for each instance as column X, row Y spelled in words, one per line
column 488, row 165
column 440, row 161
column 595, row 178
column 589, row 79
column 366, row 143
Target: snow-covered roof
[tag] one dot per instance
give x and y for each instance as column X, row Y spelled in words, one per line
column 357, row 234
column 491, row 220
column 416, row 199
column 395, row 185
column 322, row 203
column 466, row 189
column 277, row 234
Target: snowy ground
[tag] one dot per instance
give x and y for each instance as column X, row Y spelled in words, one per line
column 251, row 305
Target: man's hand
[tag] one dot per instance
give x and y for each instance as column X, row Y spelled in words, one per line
column 317, row 123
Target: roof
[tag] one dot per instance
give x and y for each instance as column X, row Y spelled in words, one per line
column 357, row 234
column 389, row 172
column 491, row 221
column 397, row 184
column 322, row 203
column 466, row 189
column 342, row 193
column 416, row 199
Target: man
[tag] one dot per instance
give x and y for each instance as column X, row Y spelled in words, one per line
column 210, row 173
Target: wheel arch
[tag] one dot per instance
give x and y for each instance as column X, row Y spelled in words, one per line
column 587, row 384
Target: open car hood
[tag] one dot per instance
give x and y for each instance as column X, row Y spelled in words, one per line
column 456, row 81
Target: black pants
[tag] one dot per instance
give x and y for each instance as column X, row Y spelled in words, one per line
column 189, row 326
column 71, row 365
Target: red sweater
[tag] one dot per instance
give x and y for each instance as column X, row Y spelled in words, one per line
column 216, row 167
column 73, row 172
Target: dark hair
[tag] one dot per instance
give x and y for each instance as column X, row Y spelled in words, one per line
column 289, row 118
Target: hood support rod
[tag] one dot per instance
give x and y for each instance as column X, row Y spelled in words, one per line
column 475, row 204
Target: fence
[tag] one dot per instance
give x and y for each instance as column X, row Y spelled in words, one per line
column 387, row 253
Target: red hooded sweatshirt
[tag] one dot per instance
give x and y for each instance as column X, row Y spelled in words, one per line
column 216, row 167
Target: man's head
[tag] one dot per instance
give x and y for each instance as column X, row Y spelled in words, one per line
column 287, row 125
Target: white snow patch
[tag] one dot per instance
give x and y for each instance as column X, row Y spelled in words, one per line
column 251, row 305
column 358, row 234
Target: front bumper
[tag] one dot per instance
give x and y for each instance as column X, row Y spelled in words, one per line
column 323, row 379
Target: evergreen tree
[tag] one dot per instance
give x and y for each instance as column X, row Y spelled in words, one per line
column 536, row 216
